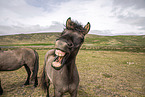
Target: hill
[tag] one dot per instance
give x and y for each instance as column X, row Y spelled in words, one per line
column 133, row 43
column 102, row 73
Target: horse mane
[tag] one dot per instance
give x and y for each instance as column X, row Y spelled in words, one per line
column 75, row 26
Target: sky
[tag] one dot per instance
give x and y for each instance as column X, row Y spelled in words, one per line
column 107, row 17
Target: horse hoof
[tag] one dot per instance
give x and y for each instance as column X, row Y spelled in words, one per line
column 26, row 84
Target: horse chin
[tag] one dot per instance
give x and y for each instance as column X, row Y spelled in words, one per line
column 59, row 60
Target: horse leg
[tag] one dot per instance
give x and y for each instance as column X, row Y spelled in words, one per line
column 36, row 82
column 74, row 93
column 57, row 93
column 29, row 73
column 35, row 69
column 1, row 90
column 48, row 89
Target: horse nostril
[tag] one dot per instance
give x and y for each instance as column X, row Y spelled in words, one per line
column 70, row 44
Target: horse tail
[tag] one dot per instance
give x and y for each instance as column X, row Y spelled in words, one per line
column 44, row 79
column 36, row 66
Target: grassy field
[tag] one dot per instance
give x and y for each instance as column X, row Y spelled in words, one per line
column 102, row 74
column 109, row 66
column 92, row 42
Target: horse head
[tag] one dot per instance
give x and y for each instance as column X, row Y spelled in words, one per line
column 69, row 42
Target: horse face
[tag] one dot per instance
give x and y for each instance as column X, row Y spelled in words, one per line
column 69, row 42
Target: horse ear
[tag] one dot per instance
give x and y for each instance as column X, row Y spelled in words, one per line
column 87, row 27
column 68, row 22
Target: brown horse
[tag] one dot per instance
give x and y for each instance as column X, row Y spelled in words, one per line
column 60, row 68
column 14, row 59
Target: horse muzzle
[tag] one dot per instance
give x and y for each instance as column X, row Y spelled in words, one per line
column 61, row 54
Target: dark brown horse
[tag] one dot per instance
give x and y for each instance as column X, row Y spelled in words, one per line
column 60, row 67
column 14, row 59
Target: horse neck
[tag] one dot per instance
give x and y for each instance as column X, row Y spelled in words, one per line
column 72, row 57
column 71, row 66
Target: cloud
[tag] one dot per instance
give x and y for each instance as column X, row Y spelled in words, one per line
column 46, row 5
column 101, row 32
column 6, row 30
column 19, row 8
column 16, row 11
column 136, row 21
column 131, row 12
column 56, row 26
column 19, row 17
column 23, row 29
column 131, row 33
column 137, row 4
column 113, row 16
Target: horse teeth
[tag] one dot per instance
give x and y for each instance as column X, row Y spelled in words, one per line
column 56, row 54
column 59, row 53
column 56, row 64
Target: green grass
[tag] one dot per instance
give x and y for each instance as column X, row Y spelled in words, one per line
column 102, row 74
column 92, row 42
column 109, row 66
column 39, row 38
column 115, row 40
column 40, row 44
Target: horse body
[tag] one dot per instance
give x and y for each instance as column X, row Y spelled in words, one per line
column 14, row 59
column 65, row 79
column 60, row 67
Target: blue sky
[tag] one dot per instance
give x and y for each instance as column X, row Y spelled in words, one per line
column 107, row 17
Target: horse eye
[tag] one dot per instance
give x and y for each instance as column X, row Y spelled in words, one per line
column 82, row 40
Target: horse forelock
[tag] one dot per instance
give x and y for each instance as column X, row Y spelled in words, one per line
column 75, row 26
